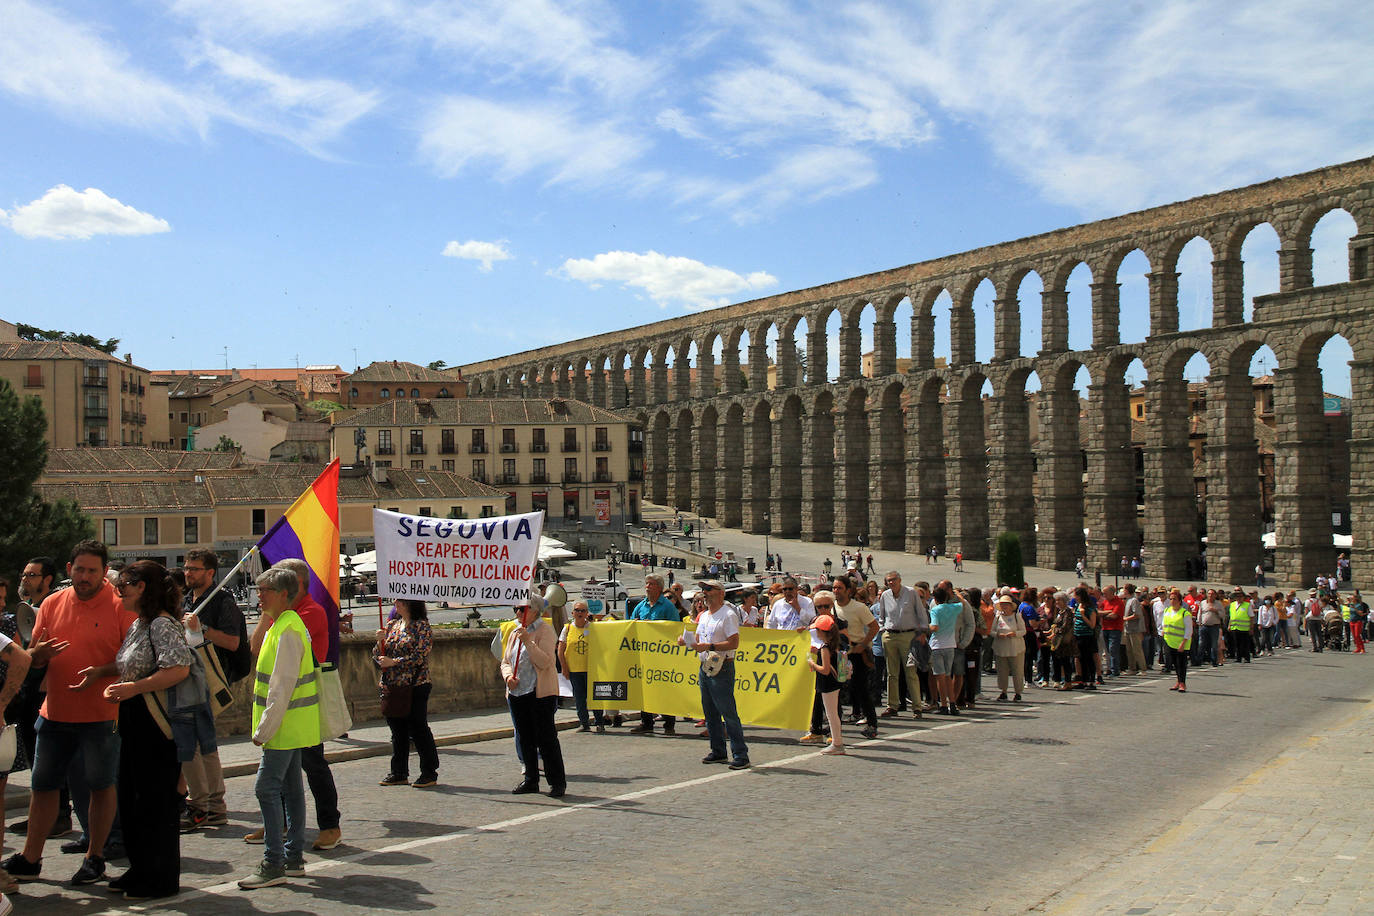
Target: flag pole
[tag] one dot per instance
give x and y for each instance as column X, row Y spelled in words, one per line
column 222, row 582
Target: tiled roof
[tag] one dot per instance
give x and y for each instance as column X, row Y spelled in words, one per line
column 305, row 431
column 480, row 411
column 283, row 482
column 390, row 370
column 44, row 349
column 150, row 496
column 129, row 459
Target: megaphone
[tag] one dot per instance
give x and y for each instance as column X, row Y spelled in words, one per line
column 555, row 595
column 24, row 618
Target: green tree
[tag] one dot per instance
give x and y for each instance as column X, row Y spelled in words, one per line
column 30, row 332
column 1010, row 569
column 438, row 364
column 30, row 526
column 225, row 444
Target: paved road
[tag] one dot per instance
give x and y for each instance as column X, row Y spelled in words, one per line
column 1236, row 797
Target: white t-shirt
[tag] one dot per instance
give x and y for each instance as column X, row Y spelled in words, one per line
column 784, row 615
column 718, row 626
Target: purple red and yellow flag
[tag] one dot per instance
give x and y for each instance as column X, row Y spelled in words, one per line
column 309, row 531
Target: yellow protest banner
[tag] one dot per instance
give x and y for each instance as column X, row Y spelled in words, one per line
column 637, row 664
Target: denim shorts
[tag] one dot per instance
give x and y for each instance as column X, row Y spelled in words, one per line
column 60, row 742
column 943, row 661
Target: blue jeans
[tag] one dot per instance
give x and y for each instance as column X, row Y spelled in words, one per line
column 1113, row 638
column 1210, row 632
column 717, row 704
column 578, row 679
column 279, row 783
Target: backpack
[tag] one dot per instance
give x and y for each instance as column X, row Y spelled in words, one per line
column 1062, row 642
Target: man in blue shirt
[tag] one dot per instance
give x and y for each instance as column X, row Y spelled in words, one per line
column 655, row 607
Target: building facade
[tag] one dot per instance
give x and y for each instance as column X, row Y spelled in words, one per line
column 581, row 465
column 391, row 379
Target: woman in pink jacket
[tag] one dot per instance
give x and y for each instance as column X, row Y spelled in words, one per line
column 532, row 689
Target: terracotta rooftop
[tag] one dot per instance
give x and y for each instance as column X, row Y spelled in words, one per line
column 129, row 459
column 391, row 370
column 479, row 411
column 45, row 349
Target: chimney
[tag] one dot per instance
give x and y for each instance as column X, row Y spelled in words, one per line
column 380, row 474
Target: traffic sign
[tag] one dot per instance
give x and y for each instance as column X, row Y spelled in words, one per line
column 719, row 555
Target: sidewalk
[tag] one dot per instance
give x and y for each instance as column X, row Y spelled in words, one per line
column 367, row 739
column 1291, row 837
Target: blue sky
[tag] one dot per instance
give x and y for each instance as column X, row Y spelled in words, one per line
column 297, row 180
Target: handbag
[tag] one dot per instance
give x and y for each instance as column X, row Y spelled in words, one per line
column 396, row 701
column 164, row 705
column 335, row 719
column 216, row 682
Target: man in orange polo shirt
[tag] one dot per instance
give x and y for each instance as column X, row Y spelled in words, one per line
column 77, row 629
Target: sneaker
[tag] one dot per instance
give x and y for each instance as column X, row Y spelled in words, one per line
column 739, row 764
column 425, row 782
column 193, row 820
column 72, row 847
column 584, row 728
column 869, row 732
column 392, row 779
column 833, row 751
column 254, row 837
column 217, row 820
column 669, row 729
column 709, row 758
column 295, row 869
column 92, row 870
column 264, row 876
column 20, row 868
column 8, row 885
column 811, row 738
column 61, row 827
column 601, row 729
column 328, row 839
column 617, row 721
column 642, row 729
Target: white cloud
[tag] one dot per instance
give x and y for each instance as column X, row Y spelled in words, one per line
column 64, row 213
column 665, row 279
column 519, row 139
column 807, row 175
column 483, row 252
column 46, row 58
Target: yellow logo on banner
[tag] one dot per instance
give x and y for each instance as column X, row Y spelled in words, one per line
column 637, row 664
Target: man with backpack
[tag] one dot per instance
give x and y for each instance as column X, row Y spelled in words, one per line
column 221, row 623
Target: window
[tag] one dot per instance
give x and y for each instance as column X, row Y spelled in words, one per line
column 570, row 439
column 537, row 442
column 191, row 530
column 415, row 392
column 353, row 393
column 383, row 464
column 33, row 378
column 443, row 393
column 457, row 512
column 603, row 470
column 400, row 392
column 150, row 531
column 479, row 441
column 508, row 440
column 510, row 503
column 184, row 417
column 603, row 439
column 109, row 531
column 570, row 469
column 427, row 511
column 384, row 442
column 1140, row 411
column 479, row 469
column 539, row 502
column 417, row 464
column 488, row 511
column 447, row 464
column 446, row 446
column 508, row 467
column 417, row 442
column 541, row 474
column 259, row 521
column 384, row 393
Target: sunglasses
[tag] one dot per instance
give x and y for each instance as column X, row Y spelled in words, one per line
column 824, row 606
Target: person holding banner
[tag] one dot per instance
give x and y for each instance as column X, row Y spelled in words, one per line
column 656, row 606
column 715, row 641
column 528, row 665
column 402, row 652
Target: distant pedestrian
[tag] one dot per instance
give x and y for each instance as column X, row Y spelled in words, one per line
column 528, row 666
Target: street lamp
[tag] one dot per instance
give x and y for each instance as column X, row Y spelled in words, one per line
column 767, row 527
column 613, row 572
column 348, row 578
column 1116, row 561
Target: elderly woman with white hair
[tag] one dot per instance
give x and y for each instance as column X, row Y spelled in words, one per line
column 528, row 666
column 1009, row 646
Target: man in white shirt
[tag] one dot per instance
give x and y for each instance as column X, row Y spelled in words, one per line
column 899, row 612
column 717, row 634
column 792, row 611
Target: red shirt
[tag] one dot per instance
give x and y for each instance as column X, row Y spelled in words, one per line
column 95, row 630
column 317, row 623
column 1108, row 607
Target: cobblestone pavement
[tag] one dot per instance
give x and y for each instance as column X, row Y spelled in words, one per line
column 1245, row 795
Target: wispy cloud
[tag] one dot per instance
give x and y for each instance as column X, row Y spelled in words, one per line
column 665, row 279
column 65, row 213
column 484, row 253
column 517, row 139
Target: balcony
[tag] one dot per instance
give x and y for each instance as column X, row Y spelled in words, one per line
column 477, row 448
column 540, row 447
column 97, row 413
column 96, row 381
column 601, row 446
column 140, row 392
column 508, row 479
column 414, row 449
column 539, row 478
column 601, row 477
column 124, row 387
column 509, row 448
column 570, row 446
column 96, row 440
column 572, row 477
column 636, row 476
column 480, row 478
column 448, row 448
column 386, row 450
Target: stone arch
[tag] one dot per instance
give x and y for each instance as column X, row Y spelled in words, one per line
column 966, row 466
column 923, row 324
column 887, row 433
column 759, row 468
column 706, row 365
column 1059, row 462
column 1054, row 301
column 818, row 469
column 658, row 446
column 683, row 438
column 1010, row 457
column 851, row 471
column 818, row 347
column 787, row 489
column 926, row 509
column 731, row 511
column 706, row 465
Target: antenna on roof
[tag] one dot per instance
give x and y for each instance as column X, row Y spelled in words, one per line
column 226, row 359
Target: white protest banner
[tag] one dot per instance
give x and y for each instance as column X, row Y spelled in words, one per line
column 473, row 561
